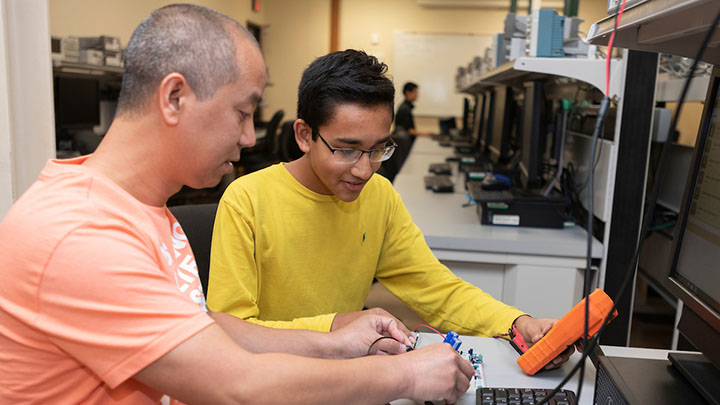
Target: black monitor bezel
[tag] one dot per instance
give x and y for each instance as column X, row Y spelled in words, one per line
column 674, row 282
column 534, row 134
column 486, row 140
column 479, row 120
column 499, row 145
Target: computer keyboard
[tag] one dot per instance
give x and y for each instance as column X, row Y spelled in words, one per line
column 479, row 194
column 522, row 396
column 439, row 184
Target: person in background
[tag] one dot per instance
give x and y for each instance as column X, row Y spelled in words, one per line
column 297, row 245
column 101, row 301
column 404, row 117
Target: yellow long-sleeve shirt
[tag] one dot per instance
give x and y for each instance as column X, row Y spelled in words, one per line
column 286, row 257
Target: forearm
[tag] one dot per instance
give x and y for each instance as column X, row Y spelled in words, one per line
column 261, row 339
column 375, row 379
column 210, row 368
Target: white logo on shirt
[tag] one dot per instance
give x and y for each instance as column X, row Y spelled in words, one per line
column 186, row 273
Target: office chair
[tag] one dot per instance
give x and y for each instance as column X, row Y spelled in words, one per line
column 197, row 222
column 86, row 141
column 289, row 149
column 391, row 167
column 265, row 152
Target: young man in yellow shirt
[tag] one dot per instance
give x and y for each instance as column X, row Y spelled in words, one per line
column 297, row 245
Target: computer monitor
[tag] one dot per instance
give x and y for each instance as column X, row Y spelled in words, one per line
column 534, row 135
column 694, row 275
column 467, row 117
column 503, row 119
column 447, row 125
column 487, row 130
column 77, row 102
column 479, row 120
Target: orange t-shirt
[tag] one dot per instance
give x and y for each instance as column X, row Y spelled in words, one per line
column 95, row 287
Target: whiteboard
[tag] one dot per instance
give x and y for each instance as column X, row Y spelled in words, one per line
column 431, row 61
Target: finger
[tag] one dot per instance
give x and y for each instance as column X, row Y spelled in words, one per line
column 549, row 325
column 403, row 329
column 465, row 367
column 388, row 346
column 557, row 361
column 462, row 384
column 389, row 326
column 460, row 391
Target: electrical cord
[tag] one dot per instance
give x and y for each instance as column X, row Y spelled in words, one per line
column 604, row 107
column 377, row 340
column 662, row 167
column 429, row 327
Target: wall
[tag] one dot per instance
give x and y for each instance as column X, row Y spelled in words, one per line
column 119, row 18
column 298, row 32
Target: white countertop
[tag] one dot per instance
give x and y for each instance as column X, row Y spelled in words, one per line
column 446, row 224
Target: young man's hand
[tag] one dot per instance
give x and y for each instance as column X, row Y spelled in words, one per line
column 534, row 329
column 356, row 337
column 342, row 320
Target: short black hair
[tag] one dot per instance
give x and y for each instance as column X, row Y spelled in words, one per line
column 408, row 87
column 348, row 76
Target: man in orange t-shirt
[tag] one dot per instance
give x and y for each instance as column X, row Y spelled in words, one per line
column 100, row 300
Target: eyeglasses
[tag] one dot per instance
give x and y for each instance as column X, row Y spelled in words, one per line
column 350, row 156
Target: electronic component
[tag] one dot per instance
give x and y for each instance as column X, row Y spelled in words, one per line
column 453, row 340
column 91, row 57
column 546, row 31
column 498, row 54
column 440, row 168
column 573, row 45
column 517, row 341
column 567, row 331
column 439, row 183
column 70, row 49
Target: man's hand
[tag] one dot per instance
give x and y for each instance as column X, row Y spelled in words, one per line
column 356, row 337
column 534, row 329
column 437, row 373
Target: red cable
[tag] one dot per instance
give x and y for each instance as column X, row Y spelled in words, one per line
column 429, row 327
column 609, row 50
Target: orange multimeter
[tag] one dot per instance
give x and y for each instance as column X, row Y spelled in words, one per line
column 567, row 331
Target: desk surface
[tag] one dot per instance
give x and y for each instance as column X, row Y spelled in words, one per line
column 501, row 369
column 446, row 224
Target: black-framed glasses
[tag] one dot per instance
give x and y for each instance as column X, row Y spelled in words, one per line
column 350, row 156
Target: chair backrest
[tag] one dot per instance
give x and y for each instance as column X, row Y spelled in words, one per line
column 271, row 132
column 197, row 222
column 391, row 167
column 289, row 149
column 86, row 141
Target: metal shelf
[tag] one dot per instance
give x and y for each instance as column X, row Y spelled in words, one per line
column 591, row 71
column 85, row 69
column 663, row 26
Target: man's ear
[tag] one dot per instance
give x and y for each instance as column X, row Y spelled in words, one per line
column 172, row 97
column 303, row 135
